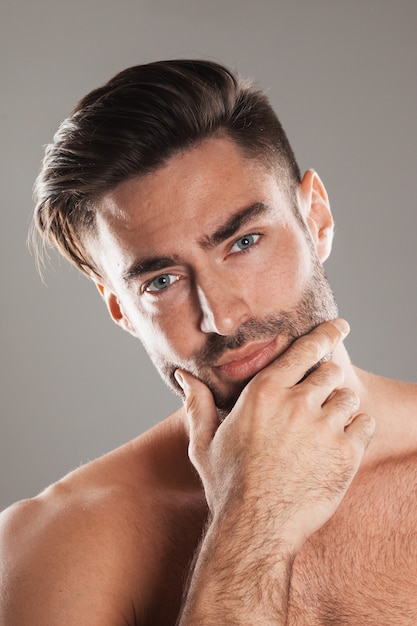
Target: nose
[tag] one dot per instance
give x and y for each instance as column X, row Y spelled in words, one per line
column 223, row 309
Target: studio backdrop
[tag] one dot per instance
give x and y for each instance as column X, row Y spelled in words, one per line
column 342, row 78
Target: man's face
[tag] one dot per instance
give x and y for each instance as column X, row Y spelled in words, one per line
column 207, row 264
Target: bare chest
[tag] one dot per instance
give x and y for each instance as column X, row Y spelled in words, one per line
column 362, row 566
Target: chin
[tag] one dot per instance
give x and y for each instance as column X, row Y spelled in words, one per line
column 223, row 399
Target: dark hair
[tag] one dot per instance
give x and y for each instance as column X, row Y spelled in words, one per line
column 133, row 125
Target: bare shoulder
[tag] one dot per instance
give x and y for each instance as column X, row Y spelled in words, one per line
column 85, row 550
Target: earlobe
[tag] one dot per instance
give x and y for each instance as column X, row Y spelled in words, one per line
column 115, row 309
column 315, row 208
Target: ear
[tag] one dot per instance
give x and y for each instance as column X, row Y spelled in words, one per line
column 115, row 309
column 315, row 208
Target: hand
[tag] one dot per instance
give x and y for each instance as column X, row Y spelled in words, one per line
column 288, row 451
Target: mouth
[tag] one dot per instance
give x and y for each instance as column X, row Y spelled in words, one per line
column 245, row 362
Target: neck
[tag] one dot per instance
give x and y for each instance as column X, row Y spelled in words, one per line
column 391, row 403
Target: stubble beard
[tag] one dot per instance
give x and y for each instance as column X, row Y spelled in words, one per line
column 316, row 305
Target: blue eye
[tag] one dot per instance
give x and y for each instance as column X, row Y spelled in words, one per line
column 161, row 282
column 245, row 242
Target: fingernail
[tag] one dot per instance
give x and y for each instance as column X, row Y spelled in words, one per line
column 179, row 379
column 342, row 325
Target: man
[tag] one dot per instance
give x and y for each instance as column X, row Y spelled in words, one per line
column 174, row 188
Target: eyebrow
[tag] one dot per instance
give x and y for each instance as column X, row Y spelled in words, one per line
column 234, row 223
column 150, row 264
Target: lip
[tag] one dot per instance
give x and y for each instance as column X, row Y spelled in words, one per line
column 247, row 361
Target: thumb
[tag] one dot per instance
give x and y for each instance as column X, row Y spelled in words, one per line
column 201, row 412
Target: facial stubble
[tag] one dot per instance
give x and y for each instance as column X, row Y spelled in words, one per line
column 316, row 305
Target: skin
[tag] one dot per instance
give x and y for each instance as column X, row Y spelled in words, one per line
column 290, row 511
column 213, row 294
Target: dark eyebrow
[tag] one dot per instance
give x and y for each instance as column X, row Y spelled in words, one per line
column 233, row 224
column 149, row 264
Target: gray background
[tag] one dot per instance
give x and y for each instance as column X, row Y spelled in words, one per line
column 342, row 76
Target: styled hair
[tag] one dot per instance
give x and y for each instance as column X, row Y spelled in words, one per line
column 131, row 126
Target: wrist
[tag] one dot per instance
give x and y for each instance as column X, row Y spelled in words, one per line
column 241, row 572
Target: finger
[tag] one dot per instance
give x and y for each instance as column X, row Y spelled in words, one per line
column 325, row 379
column 307, row 351
column 322, row 388
column 361, row 430
column 344, row 401
column 201, row 412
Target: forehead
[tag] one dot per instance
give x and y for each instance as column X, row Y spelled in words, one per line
column 181, row 202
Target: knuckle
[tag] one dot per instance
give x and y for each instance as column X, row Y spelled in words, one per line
column 262, row 388
column 301, row 398
column 303, row 407
column 347, row 399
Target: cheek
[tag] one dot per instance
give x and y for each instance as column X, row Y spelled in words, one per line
column 168, row 333
column 286, row 272
column 167, row 336
column 300, row 268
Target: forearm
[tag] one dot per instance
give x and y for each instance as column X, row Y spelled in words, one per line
column 241, row 577
column 274, row 472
